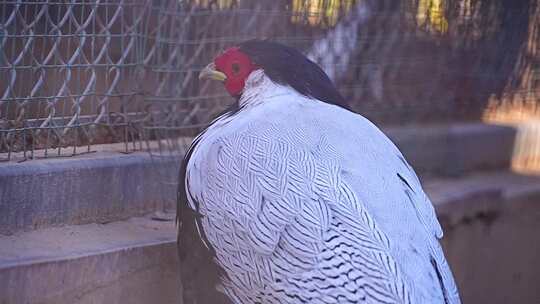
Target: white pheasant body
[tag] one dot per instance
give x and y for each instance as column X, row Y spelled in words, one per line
column 305, row 202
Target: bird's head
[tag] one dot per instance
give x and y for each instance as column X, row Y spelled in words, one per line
column 232, row 67
column 284, row 65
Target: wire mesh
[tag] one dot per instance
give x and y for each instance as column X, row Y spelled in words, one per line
column 74, row 74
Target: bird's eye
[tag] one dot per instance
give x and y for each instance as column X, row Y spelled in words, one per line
column 235, row 68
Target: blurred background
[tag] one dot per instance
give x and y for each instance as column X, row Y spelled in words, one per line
column 113, row 84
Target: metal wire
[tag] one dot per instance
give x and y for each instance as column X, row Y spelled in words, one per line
column 74, row 74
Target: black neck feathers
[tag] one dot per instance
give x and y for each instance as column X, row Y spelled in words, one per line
column 288, row 66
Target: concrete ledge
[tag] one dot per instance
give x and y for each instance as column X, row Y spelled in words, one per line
column 491, row 224
column 105, row 186
column 482, row 196
column 453, row 150
column 133, row 261
column 97, row 187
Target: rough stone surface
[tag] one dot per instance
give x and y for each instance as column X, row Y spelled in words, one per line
column 103, row 186
column 97, row 187
column 491, row 224
column 132, row 261
column 495, row 256
column 453, row 150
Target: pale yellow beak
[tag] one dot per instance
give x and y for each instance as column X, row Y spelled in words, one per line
column 210, row 72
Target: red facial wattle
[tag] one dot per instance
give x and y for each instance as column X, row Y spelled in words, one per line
column 236, row 66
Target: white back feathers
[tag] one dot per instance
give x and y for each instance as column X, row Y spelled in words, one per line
column 306, row 202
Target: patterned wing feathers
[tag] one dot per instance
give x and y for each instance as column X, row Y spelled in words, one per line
column 284, row 210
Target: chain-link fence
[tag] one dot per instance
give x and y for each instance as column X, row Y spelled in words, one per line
column 74, row 74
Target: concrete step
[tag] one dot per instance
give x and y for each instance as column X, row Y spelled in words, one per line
column 131, row 261
column 98, row 187
column 491, row 224
column 455, row 149
column 489, row 220
column 109, row 186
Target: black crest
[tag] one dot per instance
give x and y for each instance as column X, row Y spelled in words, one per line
column 287, row 66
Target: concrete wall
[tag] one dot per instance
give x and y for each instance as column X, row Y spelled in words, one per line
column 105, row 186
column 140, row 275
column 495, row 251
column 93, row 188
column 132, row 261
